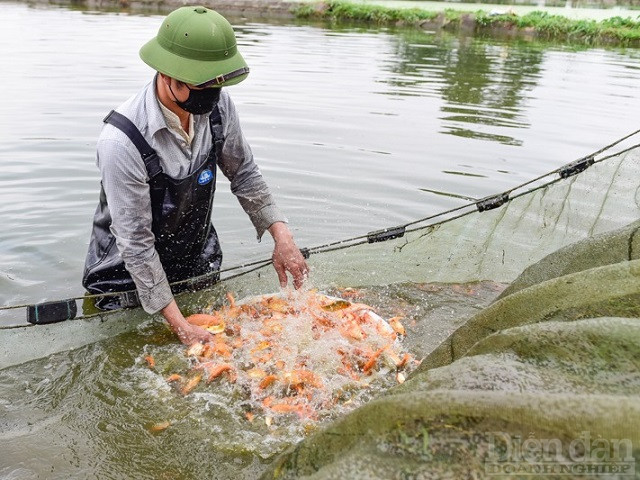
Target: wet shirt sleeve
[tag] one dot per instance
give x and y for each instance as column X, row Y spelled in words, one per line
column 247, row 184
column 124, row 180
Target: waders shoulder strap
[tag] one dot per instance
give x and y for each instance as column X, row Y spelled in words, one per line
column 148, row 154
column 215, row 124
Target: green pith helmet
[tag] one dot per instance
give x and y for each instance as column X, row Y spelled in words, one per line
column 197, row 46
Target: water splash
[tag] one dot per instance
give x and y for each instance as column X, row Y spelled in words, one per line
column 287, row 361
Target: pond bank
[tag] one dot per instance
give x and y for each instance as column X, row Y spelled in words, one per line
column 486, row 19
column 502, row 22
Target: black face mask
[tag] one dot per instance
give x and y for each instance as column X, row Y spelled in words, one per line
column 199, row 101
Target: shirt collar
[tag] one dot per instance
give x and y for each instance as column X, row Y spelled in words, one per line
column 157, row 119
column 174, row 124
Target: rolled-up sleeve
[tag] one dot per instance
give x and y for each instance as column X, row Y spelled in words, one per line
column 247, row 183
column 125, row 185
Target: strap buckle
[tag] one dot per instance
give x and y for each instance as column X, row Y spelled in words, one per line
column 152, row 164
column 106, row 119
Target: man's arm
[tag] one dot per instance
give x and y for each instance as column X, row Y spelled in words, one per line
column 125, row 183
column 249, row 187
column 238, row 165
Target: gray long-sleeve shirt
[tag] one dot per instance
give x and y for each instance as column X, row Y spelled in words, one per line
column 125, row 178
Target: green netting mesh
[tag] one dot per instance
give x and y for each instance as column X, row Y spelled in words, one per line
column 552, row 383
column 493, row 245
column 556, row 364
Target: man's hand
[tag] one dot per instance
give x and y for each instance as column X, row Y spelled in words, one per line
column 287, row 257
column 190, row 334
column 187, row 333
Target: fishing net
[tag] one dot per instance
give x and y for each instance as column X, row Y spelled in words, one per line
column 543, row 382
column 523, row 306
column 467, row 245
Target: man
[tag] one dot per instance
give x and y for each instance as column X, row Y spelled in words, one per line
column 158, row 155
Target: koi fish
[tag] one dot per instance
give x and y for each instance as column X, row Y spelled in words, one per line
column 269, row 346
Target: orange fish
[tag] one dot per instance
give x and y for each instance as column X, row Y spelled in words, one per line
column 215, row 372
column 306, row 377
column 372, row 361
column 213, row 369
column 191, row 384
column 159, row 427
column 204, row 320
column 150, row 361
column 266, row 381
column 397, row 326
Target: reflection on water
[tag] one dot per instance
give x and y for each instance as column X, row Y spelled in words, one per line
column 447, row 194
column 483, row 85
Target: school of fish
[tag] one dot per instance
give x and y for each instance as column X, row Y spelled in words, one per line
column 302, row 354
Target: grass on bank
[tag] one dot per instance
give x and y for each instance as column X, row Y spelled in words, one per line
column 612, row 30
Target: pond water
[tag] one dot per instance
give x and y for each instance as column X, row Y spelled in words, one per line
column 355, row 129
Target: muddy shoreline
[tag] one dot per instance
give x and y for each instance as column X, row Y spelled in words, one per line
column 252, row 8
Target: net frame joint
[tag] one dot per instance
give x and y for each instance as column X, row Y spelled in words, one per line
column 576, row 167
column 385, row 234
column 52, row 312
column 494, row 201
